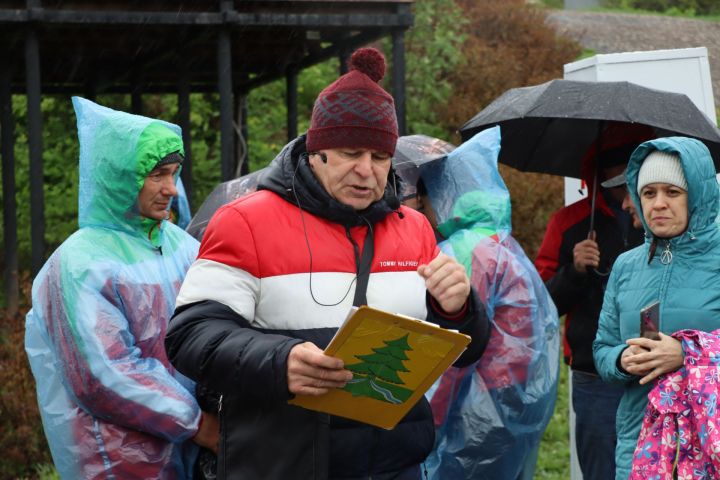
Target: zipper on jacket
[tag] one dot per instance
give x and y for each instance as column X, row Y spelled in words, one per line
column 222, row 455
column 666, row 256
column 666, row 261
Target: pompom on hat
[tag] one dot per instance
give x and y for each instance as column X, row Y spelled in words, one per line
column 661, row 167
column 355, row 111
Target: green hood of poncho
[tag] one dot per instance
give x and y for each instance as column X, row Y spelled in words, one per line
column 468, row 195
column 117, row 151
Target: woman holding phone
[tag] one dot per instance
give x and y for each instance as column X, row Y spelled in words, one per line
column 672, row 182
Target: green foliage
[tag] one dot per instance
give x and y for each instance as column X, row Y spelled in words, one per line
column 60, row 152
column 432, row 54
column 267, row 111
column 554, row 457
column 554, row 3
column 47, row 472
column 587, row 53
column 689, row 8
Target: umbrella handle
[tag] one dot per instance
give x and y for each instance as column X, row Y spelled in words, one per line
column 598, row 148
column 592, row 203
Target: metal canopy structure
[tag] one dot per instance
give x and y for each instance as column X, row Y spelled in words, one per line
column 134, row 47
column 114, row 46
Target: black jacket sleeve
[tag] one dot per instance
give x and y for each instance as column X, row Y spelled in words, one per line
column 567, row 287
column 474, row 323
column 211, row 344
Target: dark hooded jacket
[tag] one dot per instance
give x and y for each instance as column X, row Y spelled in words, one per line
column 579, row 296
column 271, row 275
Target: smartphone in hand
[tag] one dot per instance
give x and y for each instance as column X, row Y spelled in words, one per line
column 650, row 321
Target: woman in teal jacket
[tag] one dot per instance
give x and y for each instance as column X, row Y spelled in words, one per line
column 112, row 406
column 677, row 266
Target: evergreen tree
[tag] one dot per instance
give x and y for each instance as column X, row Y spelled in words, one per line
column 375, row 369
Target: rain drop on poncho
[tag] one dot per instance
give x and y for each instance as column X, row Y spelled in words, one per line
column 112, row 406
column 491, row 415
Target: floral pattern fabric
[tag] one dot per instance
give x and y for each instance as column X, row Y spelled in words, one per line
column 679, row 437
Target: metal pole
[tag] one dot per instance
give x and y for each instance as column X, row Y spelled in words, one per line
column 184, row 120
column 398, row 77
column 37, row 209
column 244, row 132
column 344, row 57
column 91, row 88
column 136, row 103
column 291, row 80
column 12, row 293
column 227, row 139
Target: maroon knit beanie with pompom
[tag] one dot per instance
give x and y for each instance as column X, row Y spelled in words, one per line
column 354, row 111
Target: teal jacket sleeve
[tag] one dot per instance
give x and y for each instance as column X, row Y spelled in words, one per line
column 609, row 344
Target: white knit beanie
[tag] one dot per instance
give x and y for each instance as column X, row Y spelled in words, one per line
column 661, row 167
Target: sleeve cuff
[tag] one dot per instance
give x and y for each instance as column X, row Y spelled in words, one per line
column 620, row 373
column 453, row 317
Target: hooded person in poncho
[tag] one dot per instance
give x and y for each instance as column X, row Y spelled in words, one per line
column 112, row 406
column 490, row 416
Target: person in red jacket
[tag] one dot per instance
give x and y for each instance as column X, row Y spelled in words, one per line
column 279, row 270
column 575, row 263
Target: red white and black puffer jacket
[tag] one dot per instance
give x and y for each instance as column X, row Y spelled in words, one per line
column 271, row 275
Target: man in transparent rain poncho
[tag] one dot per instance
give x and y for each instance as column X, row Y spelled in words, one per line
column 490, row 416
column 112, row 406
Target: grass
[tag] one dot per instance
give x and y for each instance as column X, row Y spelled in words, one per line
column 554, row 458
column 44, row 472
column 586, row 53
column 671, row 12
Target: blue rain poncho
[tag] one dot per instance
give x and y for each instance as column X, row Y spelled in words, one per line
column 491, row 415
column 181, row 206
column 112, row 406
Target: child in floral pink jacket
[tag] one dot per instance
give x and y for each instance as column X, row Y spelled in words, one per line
column 679, row 437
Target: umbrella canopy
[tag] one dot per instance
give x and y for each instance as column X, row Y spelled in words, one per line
column 224, row 193
column 548, row 128
column 411, row 152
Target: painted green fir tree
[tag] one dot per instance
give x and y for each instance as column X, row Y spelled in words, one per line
column 376, row 376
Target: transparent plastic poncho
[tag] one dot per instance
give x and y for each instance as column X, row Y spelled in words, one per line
column 112, row 406
column 491, row 415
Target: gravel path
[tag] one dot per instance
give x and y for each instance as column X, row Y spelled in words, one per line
column 617, row 32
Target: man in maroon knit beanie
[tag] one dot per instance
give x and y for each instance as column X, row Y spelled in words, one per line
column 355, row 111
column 277, row 273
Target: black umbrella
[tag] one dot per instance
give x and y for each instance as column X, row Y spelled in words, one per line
column 224, row 193
column 411, row 152
column 548, row 128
